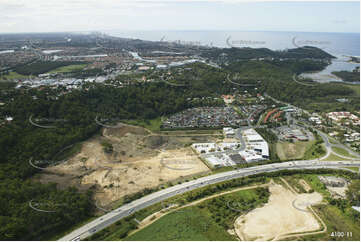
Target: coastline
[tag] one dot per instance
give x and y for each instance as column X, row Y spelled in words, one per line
column 327, row 76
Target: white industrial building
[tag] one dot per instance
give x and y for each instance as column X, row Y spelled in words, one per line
column 315, row 120
column 256, row 146
column 228, row 132
column 205, row 148
column 219, row 154
column 250, row 155
column 161, row 66
column 220, row 160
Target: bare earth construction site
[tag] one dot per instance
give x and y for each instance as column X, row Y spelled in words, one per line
column 106, row 138
column 285, row 213
column 139, row 160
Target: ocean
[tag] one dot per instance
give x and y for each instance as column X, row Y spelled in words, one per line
column 337, row 44
column 340, row 45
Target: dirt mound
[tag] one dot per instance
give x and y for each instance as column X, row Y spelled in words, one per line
column 127, row 178
column 120, row 132
column 156, row 142
column 137, row 161
column 285, row 213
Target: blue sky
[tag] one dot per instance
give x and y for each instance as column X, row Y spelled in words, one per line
column 103, row 15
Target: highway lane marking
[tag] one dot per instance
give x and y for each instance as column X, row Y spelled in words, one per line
column 213, row 180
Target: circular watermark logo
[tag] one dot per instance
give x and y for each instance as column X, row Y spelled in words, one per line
column 243, row 43
column 299, row 42
column 45, row 206
column 238, row 206
column 108, row 122
column 235, row 206
column 178, row 164
column 43, row 164
column 236, row 77
column 45, row 122
column 310, row 84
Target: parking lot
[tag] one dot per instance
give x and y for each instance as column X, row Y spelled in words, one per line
column 203, row 117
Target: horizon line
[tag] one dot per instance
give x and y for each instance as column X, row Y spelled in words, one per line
column 173, row 30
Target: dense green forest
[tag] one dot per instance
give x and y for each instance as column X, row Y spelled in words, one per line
column 230, row 55
column 348, row 76
column 20, row 140
column 276, row 79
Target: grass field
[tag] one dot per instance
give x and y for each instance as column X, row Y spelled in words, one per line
column 333, row 157
column 214, row 210
column 69, row 68
column 332, row 140
column 188, row 224
column 122, row 228
column 287, row 150
column 341, row 151
column 294, row 182
column 208, row 220
column 152, row 124
column 12, row 75
column 335, row 219
column 314, row 151
column 300, row 150
column 354, row 168
column 316, row 184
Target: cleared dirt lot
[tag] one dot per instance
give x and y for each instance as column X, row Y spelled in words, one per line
column 285, row 213
column 139, row 160
column 287, row 150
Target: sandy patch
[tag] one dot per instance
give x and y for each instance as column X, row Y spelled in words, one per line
column 138, row 161
column 337, row 186
column 125, row 179
column 285, row 212
column 230, row 140
column 305, row 185
column 337, row 192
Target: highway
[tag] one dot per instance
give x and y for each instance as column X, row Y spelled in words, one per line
column 127, row 209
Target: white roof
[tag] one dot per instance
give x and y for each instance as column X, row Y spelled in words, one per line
column 251, row 135
column 356, row 208
column 248, row 155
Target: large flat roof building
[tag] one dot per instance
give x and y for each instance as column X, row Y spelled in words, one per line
column 256, row 146
column 232, row 153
